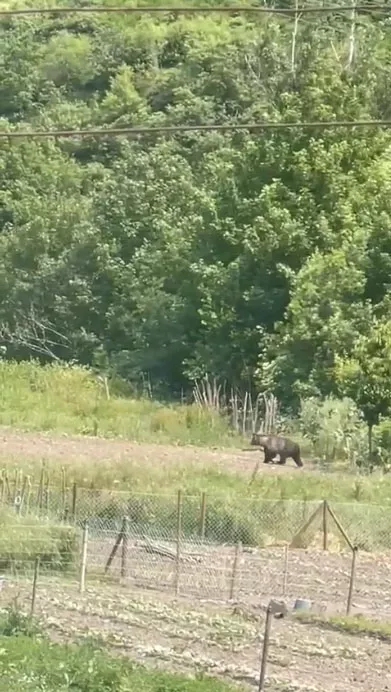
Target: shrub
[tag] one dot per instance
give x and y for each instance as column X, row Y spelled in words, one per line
column 335, row 429
column 15, row 623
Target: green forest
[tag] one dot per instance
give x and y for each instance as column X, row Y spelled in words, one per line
column 259, row 258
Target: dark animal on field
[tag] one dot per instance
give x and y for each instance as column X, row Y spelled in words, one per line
column 273, row 445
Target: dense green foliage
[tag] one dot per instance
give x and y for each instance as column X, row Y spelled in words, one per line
column 260, row 258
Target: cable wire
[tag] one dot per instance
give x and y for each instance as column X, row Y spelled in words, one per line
column 177, row 129
column 234, row 9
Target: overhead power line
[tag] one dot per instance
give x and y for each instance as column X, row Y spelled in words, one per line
column 177, row 129
column 234, row 9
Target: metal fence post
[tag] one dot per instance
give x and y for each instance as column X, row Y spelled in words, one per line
column 178, row 540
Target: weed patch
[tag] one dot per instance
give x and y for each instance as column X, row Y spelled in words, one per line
column 357, row 625
column 28, row 665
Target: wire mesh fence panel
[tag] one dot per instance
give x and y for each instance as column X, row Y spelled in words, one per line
column 254, row 522
column 372, row 585
column 147, row 514
column 150, row 563
column 260, row 575
column 319, row 576
column 36, row 501
column 368, row 526
column 202, row 546
column 207, row 572
column 26, row 539
column 252, row 576
column 214, row 519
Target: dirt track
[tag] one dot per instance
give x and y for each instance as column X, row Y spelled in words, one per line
column 64, row 448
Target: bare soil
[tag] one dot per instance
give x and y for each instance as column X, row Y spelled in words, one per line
column 64, row 448
column 178, row 634
column 253, row 576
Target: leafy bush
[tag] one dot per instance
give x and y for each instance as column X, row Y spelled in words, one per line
column 13, row 622
column 335, row 429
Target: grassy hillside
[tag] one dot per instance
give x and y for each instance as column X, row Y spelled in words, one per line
column 73, row 400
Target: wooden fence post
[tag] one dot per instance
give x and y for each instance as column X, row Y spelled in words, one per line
column 178, row 541
column 7, row 487
column 238, row 550
column 265, row 650
column 63, row 490
column 124, row 553
column 351, row 581
column 74, row 501
column 83, row 566
column 325, row 527
column 16, row 485
column 35, row 584
column 114, row 550
column 285, row 575
column 203, row 516
column 28, row 494
column 47, row 485
column 40, row 487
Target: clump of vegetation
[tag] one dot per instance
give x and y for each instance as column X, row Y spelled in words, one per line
column 354, row 624
column 13, row 623
column 29, row 664
column 73, row 399
column 70, row 391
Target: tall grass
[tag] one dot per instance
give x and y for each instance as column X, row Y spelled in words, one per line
column 73, row 400
column 162, row 476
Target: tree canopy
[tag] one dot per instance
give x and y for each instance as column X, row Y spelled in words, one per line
column 261, row 258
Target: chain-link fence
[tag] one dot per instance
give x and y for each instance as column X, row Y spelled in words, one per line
column 202, row 546
column 255, row 522
column 196, row 570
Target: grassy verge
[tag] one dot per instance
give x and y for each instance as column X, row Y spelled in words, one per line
column 73, row 400
column 30, row 662
column 160, row 474
column 357, row 624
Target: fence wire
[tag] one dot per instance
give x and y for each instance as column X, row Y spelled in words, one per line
column 202, row 546
column 211, row 519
